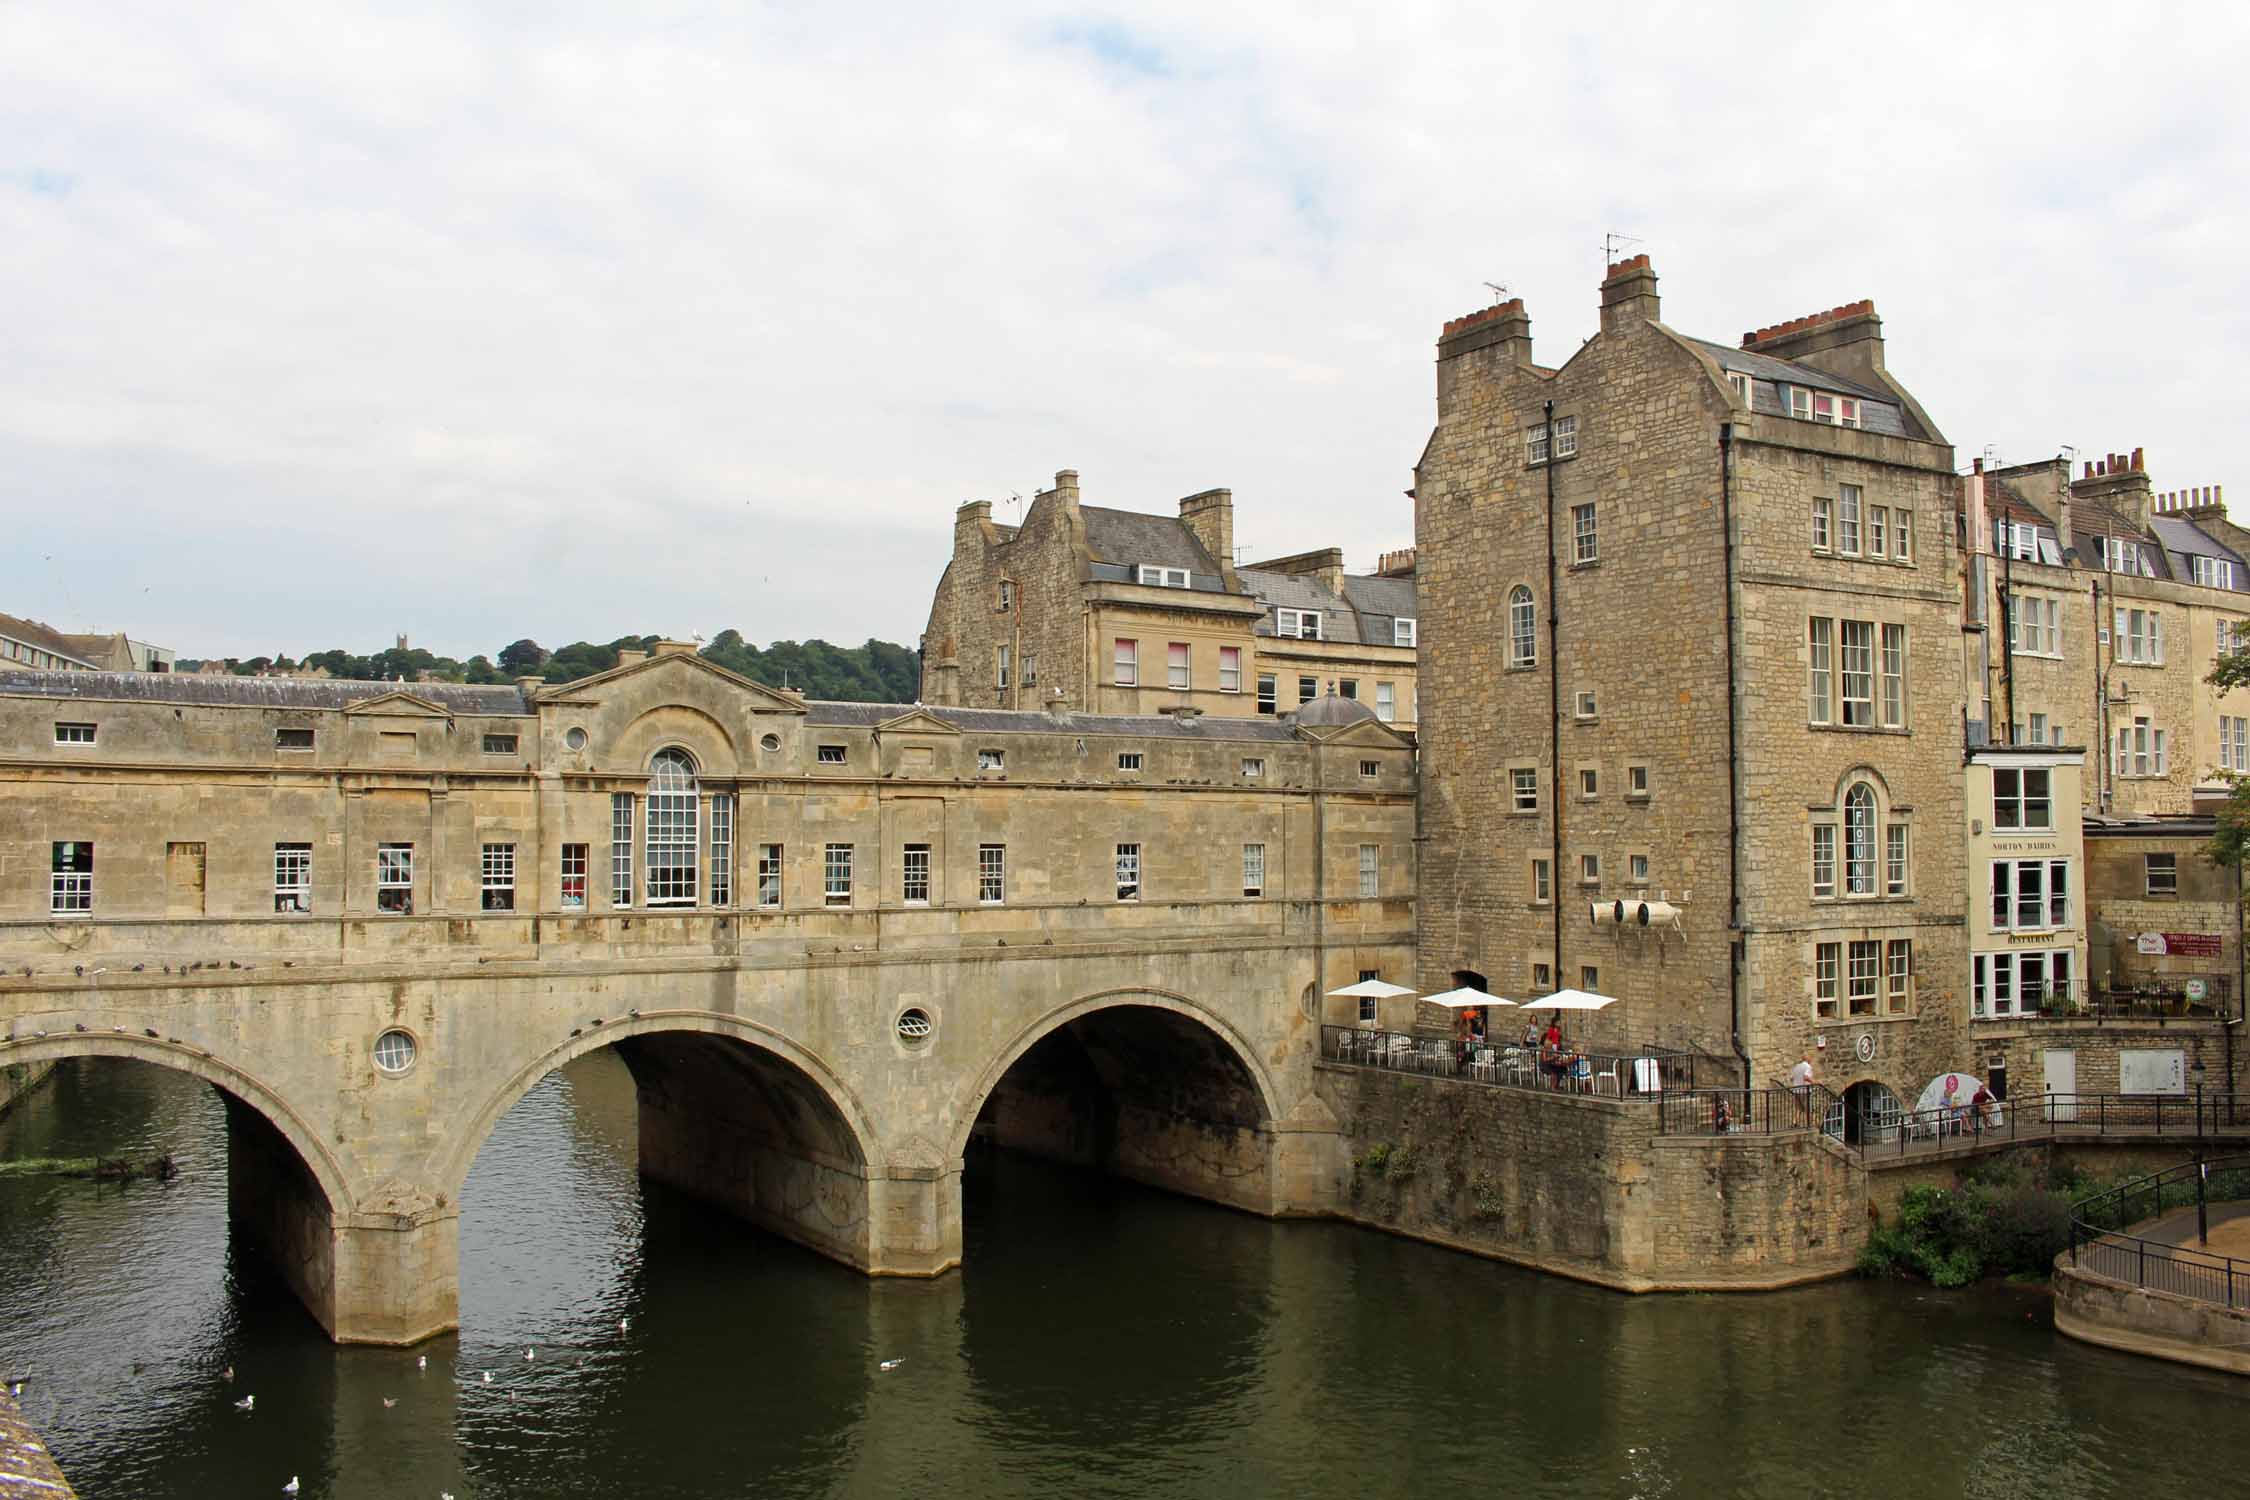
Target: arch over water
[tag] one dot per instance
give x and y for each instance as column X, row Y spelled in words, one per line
column 244, row 1088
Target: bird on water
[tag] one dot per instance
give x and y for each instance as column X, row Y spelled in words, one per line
column 246, row 1403
column 291, row 1487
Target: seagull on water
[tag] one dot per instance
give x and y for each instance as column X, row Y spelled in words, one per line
column 246, row 1403
column 890, row 1364
column 227, row 1374
column 623, row 1324
column 291, row 1487
column 389, row 1402
column 422, row 1363
column 488, row 1377
column 530, row 1354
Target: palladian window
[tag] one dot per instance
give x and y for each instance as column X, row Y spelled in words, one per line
column 673, row 843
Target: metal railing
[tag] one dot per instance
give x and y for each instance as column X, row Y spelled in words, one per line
column 1769, row 1111
column 2097, row 1243
column 2045, row 1116
column 1642, row 1073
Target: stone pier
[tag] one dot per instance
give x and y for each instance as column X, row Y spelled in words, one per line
column 27, row 1469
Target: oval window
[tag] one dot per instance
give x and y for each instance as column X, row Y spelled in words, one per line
column 770, row 743
column 575, row 738
column 915, row 1026
column 394, row 1052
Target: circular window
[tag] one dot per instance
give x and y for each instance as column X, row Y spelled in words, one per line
column 915, row 1026
column 394, row 1052
column 770, row 743
column 575, row 738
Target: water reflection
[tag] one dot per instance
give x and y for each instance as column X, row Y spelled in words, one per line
column 1100, row 1340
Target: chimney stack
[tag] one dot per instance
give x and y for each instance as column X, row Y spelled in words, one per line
column 1629, row 294
column 1210, row 515
column 1487, row 343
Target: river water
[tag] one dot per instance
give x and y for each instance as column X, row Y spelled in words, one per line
column 1100, row 1341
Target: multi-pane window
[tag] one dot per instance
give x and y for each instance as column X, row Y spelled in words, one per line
column 1902, row 535
column 830, row 755
column 1370, row 769
column 1636, row 869
column 1535, row 444
column 1899, row 965
column 2035, row 625
column 1253, row 869
column 672, row 838
column 394, row 878
column 1894, row 676
column 2161, row 874
column 1297, row 624
column 1370, row 870
column 74, row 734
column 1128, row 872
column 1524, row 783
column 498, row 868
column 1823, row 523
column 1589, row 978
column 1859, row 840
column 836, row 874
column 1585, row 705
column 1128, row 760
column 2234, row 743
column 1857, row 638
column 2140, row 749
column 914, row 875
column 1001, row 663
column 1308, row 688
column 292, row 878
column 1739, row 383
column 1589, row 783
column 1878, row 530
column 769, row 875
column 1894, row 859
column 1164, row 578
column 722, row 849
column 1542, row 881
column 1828, row 959
column 71, row 886
column 1636, row 781
column 1566, row 437
column 1589, row 869
column 1402, row 631
column 2233, row 635
column 2006, row 984
column 1847, row 519
column 1824, row 859
column 1127, row 663
column 1031, row 669
column 1865, row 960
column 1386, row 702
column 621, row 849
column 1176, row 665
column 1523, row 629
column 1269, row 694
column 1253, row 767
column 2214, row 572
column 500, row 744
column 574, row 877
column 1230, row 669
column 992, row 760
column 1007, row 593
column 2020, row 798
column 292, row 739
column 2139, row 637
column 1583, row 547
column 2030, row 895
column 1820, row 654
column 992, row 873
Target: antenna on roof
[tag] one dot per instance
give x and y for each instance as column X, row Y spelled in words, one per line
column 1015, row 498
column 1499, row 292
column 1613, row 242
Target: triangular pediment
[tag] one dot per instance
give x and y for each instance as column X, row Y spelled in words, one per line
column 398, row 705
column 916, row 721
column 592, row 690
column 1371, row 734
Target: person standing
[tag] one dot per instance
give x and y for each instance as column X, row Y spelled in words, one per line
column 1800, row 1084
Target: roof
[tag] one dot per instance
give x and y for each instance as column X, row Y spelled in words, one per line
column 1328, row 711
column 1880, row 411
column 2185, row 539
column 1390, row 597
column 1131, row 536
column 45, row 637
column 1037, row 721
column 255, row 692
column 1364, row 612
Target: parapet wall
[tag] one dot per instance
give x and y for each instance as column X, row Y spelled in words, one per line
column 2097, row 1310
column 1585, row 1187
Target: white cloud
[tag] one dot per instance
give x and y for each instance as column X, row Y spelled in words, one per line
column 326, row 322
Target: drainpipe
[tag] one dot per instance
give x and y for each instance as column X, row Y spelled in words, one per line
column 1554, row 700
column 2008, row 619
column 1735, row 934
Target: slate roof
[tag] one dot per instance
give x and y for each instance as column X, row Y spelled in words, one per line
column 1880, row 410
column 1364, row 612
column 1380, row 601
column 1130, row 537
column 2185, row 540
column 1035, row 721
column 255, row 692
column 45, row 637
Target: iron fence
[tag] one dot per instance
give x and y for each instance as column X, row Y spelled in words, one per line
column 2098, row 1243
column 1624, row 1075
column 2045, row 1116
column 1769, row 1111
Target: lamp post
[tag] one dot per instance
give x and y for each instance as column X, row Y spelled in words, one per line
column 2202, row 1219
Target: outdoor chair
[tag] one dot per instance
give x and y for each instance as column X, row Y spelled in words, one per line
column 1616, row 1086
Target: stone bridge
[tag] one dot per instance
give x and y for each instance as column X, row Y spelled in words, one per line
column 827, row 1094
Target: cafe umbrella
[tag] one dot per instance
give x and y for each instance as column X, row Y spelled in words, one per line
column 1370, row 989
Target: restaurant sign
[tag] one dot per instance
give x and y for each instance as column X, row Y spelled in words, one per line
column 2179, row 944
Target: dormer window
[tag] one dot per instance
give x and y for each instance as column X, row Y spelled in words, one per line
column 1164, row 578
column 1402, row 632
column 1739, row 383
column 1300, row 624
column 2125, row 557
column 2214, row 572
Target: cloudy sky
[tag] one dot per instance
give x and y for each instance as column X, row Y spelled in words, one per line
column 321, row 323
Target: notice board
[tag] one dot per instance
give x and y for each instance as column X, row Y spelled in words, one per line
column 2155, row 1070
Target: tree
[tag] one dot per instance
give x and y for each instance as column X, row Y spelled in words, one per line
column 2230, row 837
column 522, row 658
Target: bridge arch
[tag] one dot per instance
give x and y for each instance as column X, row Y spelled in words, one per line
column 1138, row 1082
column 246, row 1088
column 731, row 1111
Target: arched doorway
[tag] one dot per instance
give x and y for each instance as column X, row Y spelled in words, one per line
column 1145, row 1087
column 1871, row 1114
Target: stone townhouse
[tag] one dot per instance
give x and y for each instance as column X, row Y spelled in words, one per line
column 1124, row 612
column 1693, row 621
column 2094, row 610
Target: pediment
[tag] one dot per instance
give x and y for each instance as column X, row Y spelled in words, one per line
column 916, row 721
column 590, row 691
column 1372, row 734
column 397, row 705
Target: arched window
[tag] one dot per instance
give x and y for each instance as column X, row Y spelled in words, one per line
column 1859, row 840
column 1523, row 629
column 672, row 833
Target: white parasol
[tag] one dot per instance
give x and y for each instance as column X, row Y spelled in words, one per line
column 1465, row 999
column 1570, row 1000
column 1370, row 989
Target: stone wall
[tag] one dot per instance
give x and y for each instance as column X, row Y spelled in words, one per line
column 19, row 1079
column 2116, row 1315
column 1584, row 1187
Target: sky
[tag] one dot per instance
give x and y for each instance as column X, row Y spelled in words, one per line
column 320, row 324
